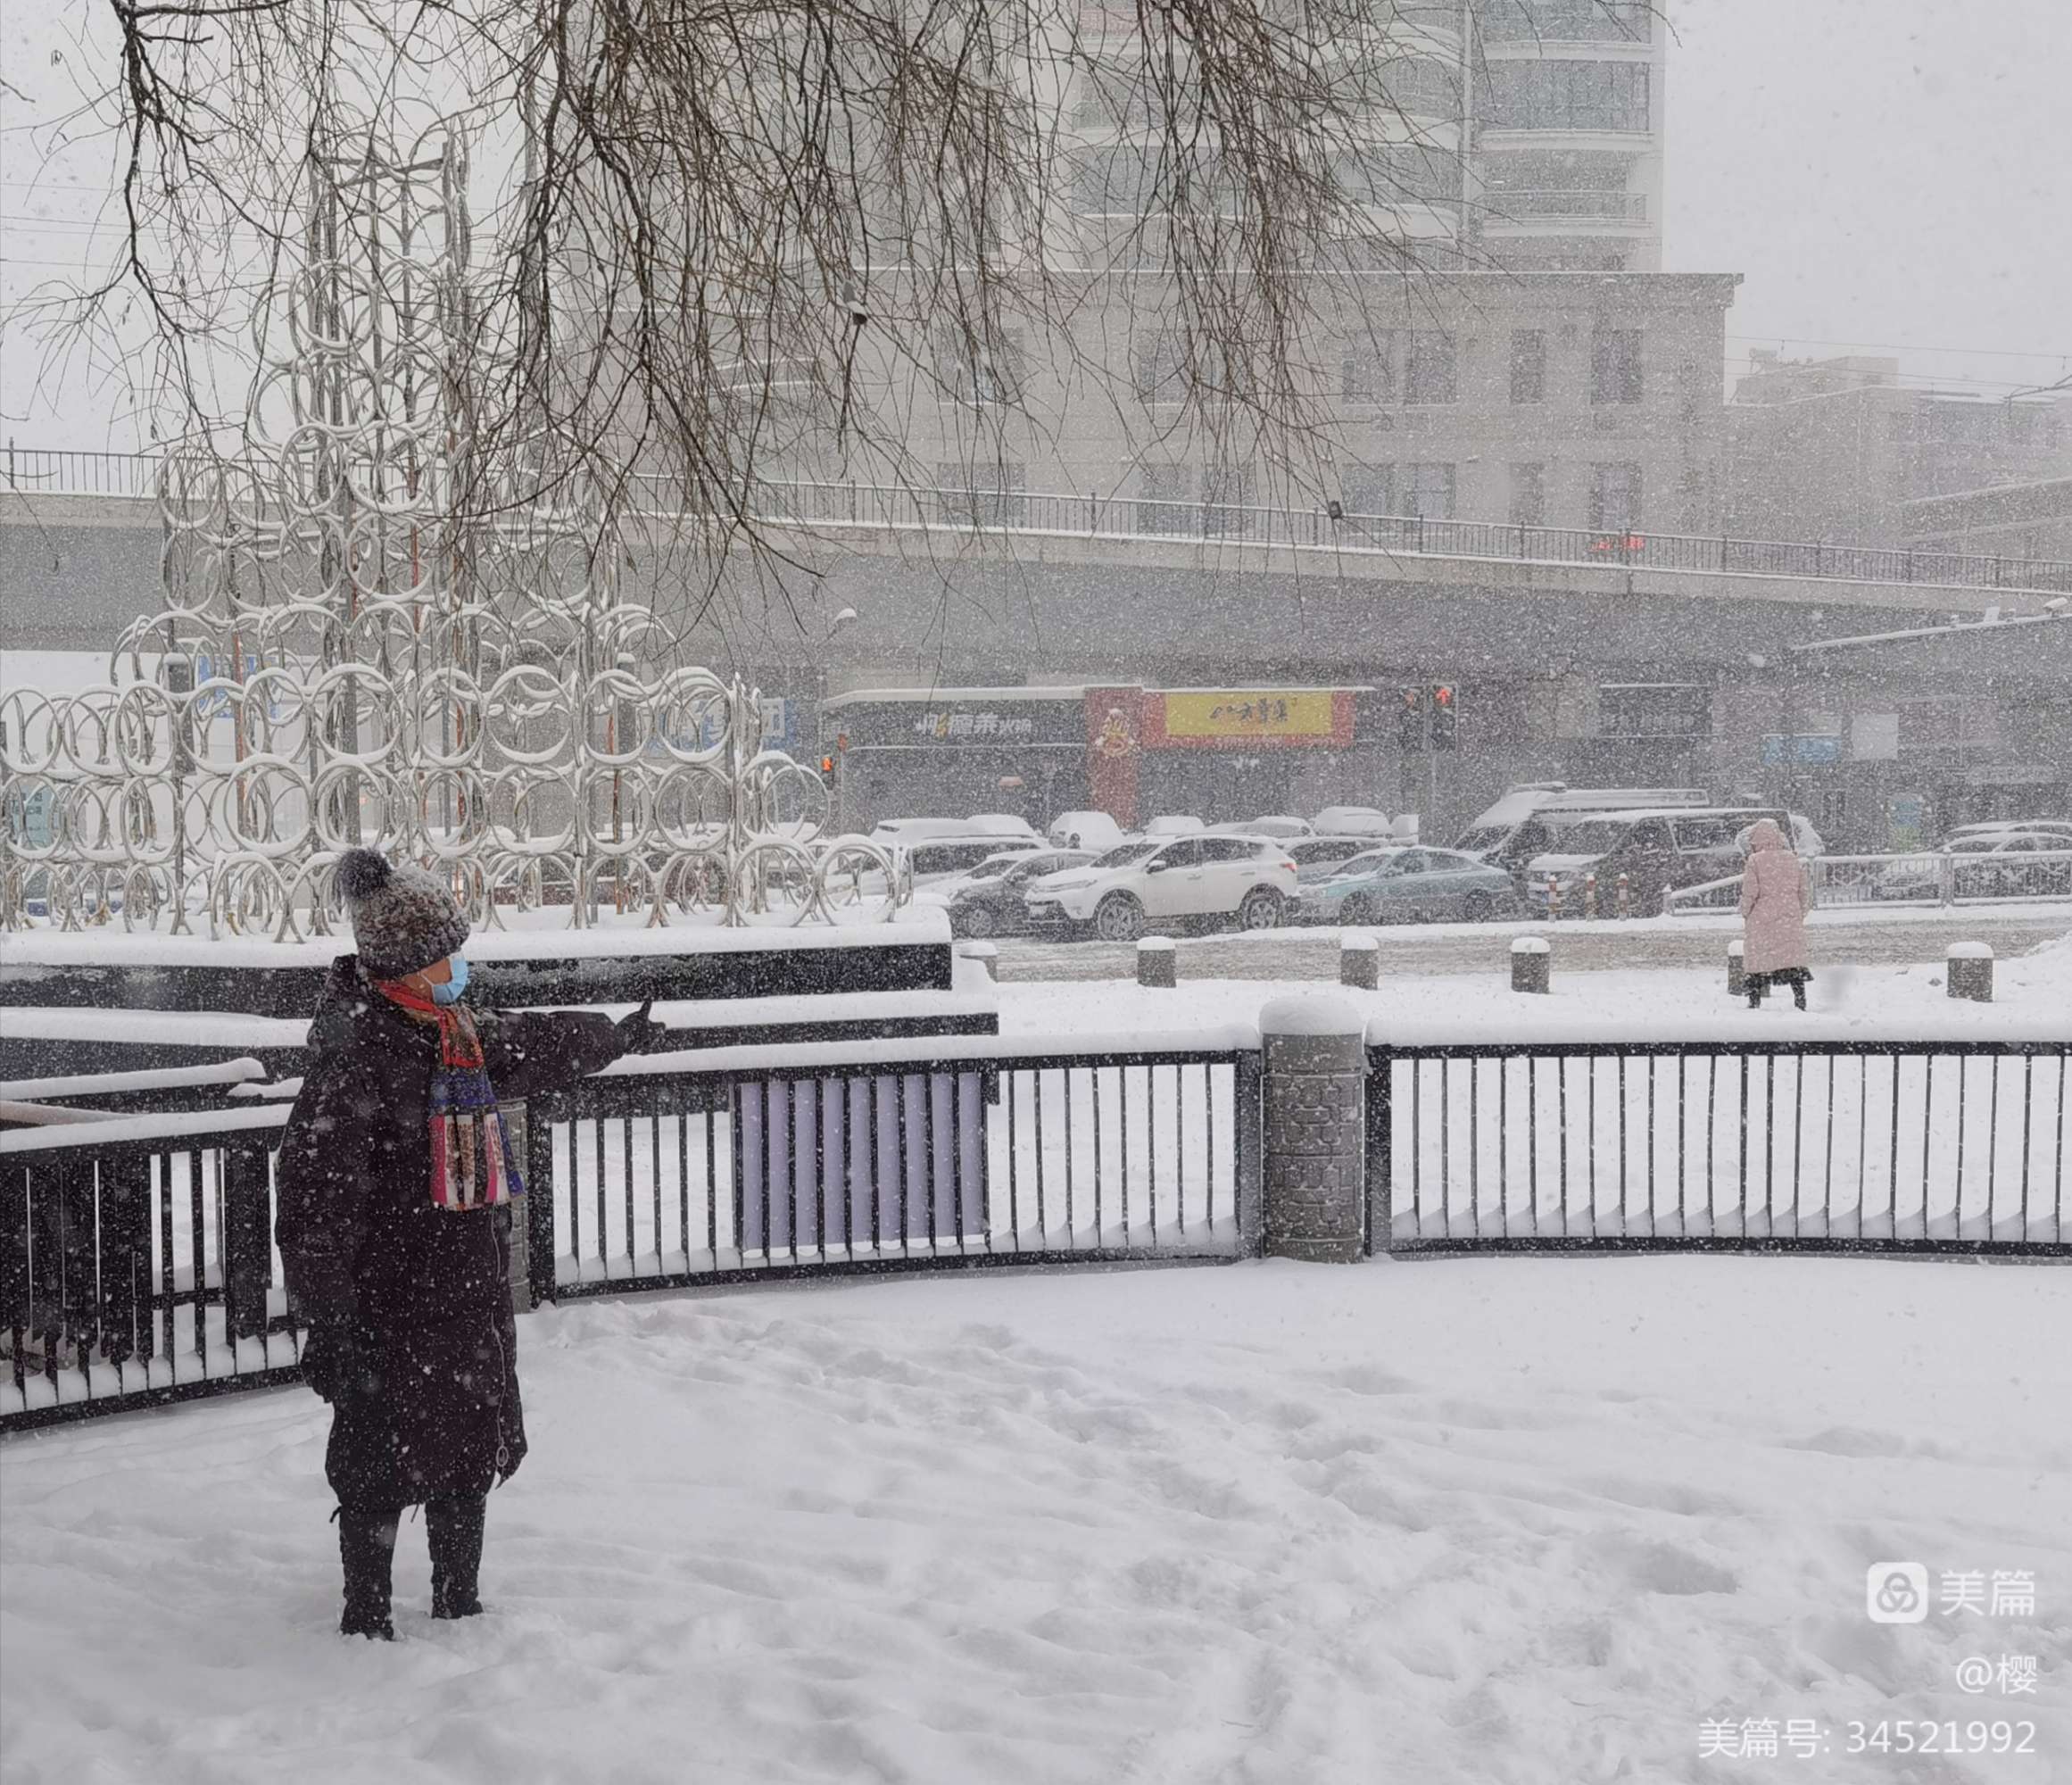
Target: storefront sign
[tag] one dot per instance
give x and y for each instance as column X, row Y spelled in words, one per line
column 1206, row 718
column 963, row 723
column 1810, row 750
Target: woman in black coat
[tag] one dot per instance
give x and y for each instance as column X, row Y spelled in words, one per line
column 394, row 1228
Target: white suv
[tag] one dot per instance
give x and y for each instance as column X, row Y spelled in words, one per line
column 1188, row 880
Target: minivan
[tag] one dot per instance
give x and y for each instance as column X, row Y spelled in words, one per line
column 1658, row 852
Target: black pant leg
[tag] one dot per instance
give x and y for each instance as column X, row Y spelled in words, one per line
column 453, row 1525
column 367, row 1548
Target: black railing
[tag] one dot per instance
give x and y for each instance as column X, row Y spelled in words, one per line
column 137, row 1263
column 662, row 1178
column 1870, row 1146
column 1300, row 529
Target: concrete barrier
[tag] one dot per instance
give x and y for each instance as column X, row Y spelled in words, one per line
column 1157, row 963
column 1360, row 963
column 1967, row 967
column 1532, row 964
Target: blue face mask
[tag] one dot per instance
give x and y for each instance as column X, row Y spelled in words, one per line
column 450, row 992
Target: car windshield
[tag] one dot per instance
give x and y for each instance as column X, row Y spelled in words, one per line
column 1597, row 837
column 1371, row 863
column 1124, row 854
column 1483, row 836
column 993, row 870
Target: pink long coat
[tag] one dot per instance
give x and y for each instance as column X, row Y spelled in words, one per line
column 1774, row 900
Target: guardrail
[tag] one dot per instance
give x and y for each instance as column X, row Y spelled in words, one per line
column 877, row 506
column 1517, row 207
column 1917, row 877
column 137, row 1263
column 1823, row 1145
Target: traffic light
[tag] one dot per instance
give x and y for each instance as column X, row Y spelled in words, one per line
column 1409, row 721
column 1443, row 717
column 827, row 764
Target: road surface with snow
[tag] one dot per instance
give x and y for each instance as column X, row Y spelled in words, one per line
column 1836, row 939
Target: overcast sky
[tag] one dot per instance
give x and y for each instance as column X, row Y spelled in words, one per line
column 1882, row 171
column 1886, row 174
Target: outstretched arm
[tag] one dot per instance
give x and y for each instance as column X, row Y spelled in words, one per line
column 528, row 1053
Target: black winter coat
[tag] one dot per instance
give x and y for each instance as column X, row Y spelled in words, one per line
column 363, row 1246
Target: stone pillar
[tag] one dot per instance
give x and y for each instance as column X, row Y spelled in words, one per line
column 1316, row 1129
column 1968, row 969
column 1360, row 963
column 1158, row 962
column 985, row 953
column 1532, row 964
column 1736, row 980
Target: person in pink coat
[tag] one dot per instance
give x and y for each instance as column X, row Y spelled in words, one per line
column 1775, row 897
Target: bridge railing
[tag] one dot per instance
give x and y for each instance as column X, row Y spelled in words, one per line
column 1331, row 528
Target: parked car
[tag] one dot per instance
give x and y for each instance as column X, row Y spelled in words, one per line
column 989, row 900
column 1365, row 821
column 1994, row 864
column 1177, row 824
column 929, row 862
column 1318, row 857
column 2049, row 828
column 1188, row 881
column 1408, row 885
column 1001, row 823
column 1528, row 820
column 1657, row 852
column 905, row 832
column 1095, row 831
column 1275, row 824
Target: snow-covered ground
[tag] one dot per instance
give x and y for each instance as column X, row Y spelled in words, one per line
column 1474, row 1521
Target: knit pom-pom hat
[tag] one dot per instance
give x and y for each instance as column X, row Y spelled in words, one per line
column 404, row 919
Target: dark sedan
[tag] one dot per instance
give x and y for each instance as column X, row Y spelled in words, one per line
column 988, row 901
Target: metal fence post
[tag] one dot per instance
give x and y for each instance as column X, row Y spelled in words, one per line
column 247, row 1238
column 538, row 1242
column 1380, row 1150
column 1247, row 1093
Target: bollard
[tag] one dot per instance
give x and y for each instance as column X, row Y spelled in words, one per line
column 1589, row 895
column 1313, row 1141
column 1625, row 897
column 1554, row 899
column 985, row 953
column 1737, row 979
column 1532, row 964
column 1157, row 963
column 1360, row 963
column 1968, row 969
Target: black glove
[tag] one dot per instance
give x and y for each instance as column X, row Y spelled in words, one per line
column 639, row 1032
column 342, row 1357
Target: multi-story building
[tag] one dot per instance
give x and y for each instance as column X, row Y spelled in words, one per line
column 1840, row 451
column 1565, row 145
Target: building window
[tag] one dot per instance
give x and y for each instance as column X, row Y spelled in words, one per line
column 1367, row 367
column 983, row 496
column 1156, row 362
column 1528, row 365
column 1428, row 492
column 1615, row 365
column 1227, row 496
column 1528, row 495
column 1368, row 489
column 1614, row 498
column 1568, row 95
column 1654, row 710
column 1564, row 21
column 1430, row 375
column 1164, row 486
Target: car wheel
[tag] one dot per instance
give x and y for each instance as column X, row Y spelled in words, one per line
column 1357, row 909
column 1119, row 918
column 976, row 922
column 1476, row 908
column 1260, row 911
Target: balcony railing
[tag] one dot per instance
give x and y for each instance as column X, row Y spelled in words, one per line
column 1518, row 207
column 879, row 507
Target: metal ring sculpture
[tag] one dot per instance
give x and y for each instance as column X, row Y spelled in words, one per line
column 370, row 636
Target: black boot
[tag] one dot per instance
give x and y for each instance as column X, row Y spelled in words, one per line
column 453, row 1528
column 366, row 1546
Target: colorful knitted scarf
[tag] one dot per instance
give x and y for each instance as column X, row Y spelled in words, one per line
column 471, row 1165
